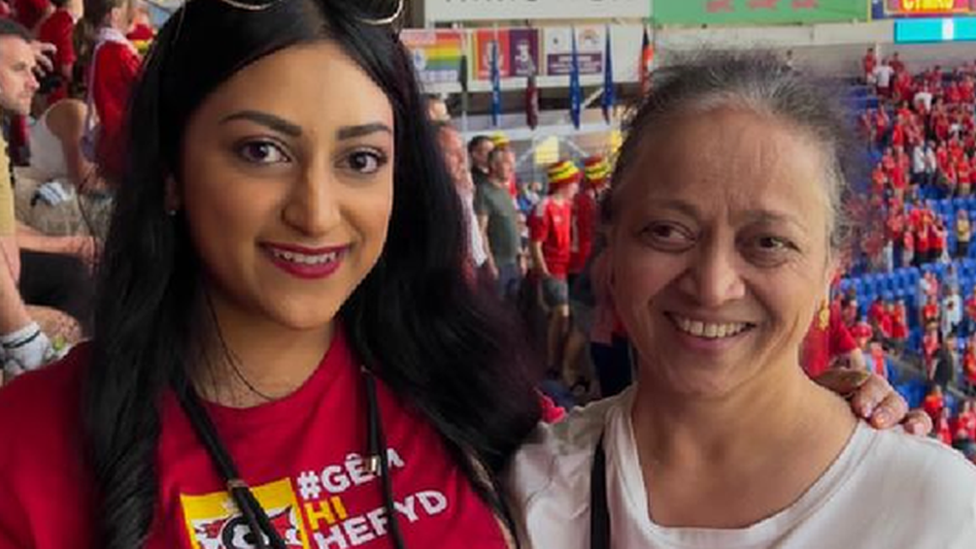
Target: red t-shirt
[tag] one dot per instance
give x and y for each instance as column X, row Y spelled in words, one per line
column 551, row 224
column 116, row 68
column 933, row 406
column 584, row 226
column 58, row 29
column 29, row 12
column 821, row 345
column 301, row 456
column 899, row 330
column 869, row 63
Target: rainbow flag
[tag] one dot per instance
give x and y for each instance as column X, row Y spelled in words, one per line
column 436, row 53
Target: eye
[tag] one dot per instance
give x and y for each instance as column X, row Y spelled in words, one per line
column 772, row 243
column 668, row 236
column 365, row 161
column 770, row 250
column 262, row 152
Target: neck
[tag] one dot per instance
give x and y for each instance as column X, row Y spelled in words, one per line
column 718, row 462
column 274, row 360
column 779, row 409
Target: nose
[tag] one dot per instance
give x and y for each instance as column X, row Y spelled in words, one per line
column 32, row 84
column 713, row 277
column 313, row 207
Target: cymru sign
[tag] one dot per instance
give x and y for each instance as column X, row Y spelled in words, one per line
column 922, row 8
column 761, row 12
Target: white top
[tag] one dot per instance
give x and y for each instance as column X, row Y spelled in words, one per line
column 887, row 490
column 918, row 160
column 883, row 73
column 925, row 98
column 47, row 154
column 476, row 240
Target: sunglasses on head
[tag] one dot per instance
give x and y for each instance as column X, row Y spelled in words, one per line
column 374, row 12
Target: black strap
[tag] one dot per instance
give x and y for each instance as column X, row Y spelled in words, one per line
column 599, row 511
column 378, row 449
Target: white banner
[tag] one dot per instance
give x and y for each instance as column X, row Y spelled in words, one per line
column 500, row 10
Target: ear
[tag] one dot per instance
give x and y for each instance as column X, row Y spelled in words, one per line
column 172, row 198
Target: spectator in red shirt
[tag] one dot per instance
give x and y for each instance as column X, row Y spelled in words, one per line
column 899, row 326
column 934, row 403
column 939, row 242
column 31, row 12
column 550, row 230
column 596, row 175
column 964, row 426
column 869, row 62
column 58, row 29
column 896, row 63
column 114, row 66
column 943, row 429
column 829, row 344
column 876, row 313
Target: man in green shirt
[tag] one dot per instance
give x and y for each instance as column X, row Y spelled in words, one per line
column 499, row 221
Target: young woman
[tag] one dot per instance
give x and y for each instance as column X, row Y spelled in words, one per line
column 287, row 351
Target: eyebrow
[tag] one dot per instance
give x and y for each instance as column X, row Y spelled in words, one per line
column 352, row 132
column 291, row 129
column 750, row 216
column 277, row 124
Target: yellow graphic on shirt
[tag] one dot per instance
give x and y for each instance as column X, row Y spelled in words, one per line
column 214, row 522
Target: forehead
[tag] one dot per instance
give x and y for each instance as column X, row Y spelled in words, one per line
column 730, row 159
column 337, row 92
column 14, row 49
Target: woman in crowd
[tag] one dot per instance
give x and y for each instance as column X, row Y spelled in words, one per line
column 287, row 352
column 284, row 313
column 725, row 227
column 112, row 65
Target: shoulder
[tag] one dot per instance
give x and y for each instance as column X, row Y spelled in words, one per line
column 65, row 116
column 40, row 409
column 549, row 478
column 42, row 468
column 937, row 476
column 559, row 455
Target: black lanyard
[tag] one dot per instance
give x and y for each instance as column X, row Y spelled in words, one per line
column 253, row 513
column 599, row 511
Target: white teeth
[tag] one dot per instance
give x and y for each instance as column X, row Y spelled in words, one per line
column 708, row 330
column 295, row 257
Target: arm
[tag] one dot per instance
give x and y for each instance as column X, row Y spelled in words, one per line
column 538, row 259
column 68, row 124
column 83, row 247
column 490, row 262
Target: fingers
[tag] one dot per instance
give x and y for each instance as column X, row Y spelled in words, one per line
column 870, row 395
column 918, row 423
column 890, row 412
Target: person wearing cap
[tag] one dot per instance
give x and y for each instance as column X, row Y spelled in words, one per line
column 596, row 173
column 503, row 143
column 550, row 231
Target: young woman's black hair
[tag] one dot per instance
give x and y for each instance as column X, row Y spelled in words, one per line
column 414, row 320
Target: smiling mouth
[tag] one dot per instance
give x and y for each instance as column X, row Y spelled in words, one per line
column 708, row 330
column 306, row 259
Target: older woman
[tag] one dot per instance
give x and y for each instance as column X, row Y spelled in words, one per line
column 724, row 230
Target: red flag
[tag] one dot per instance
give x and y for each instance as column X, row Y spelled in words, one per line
column 647, row 61
column 532, row 102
